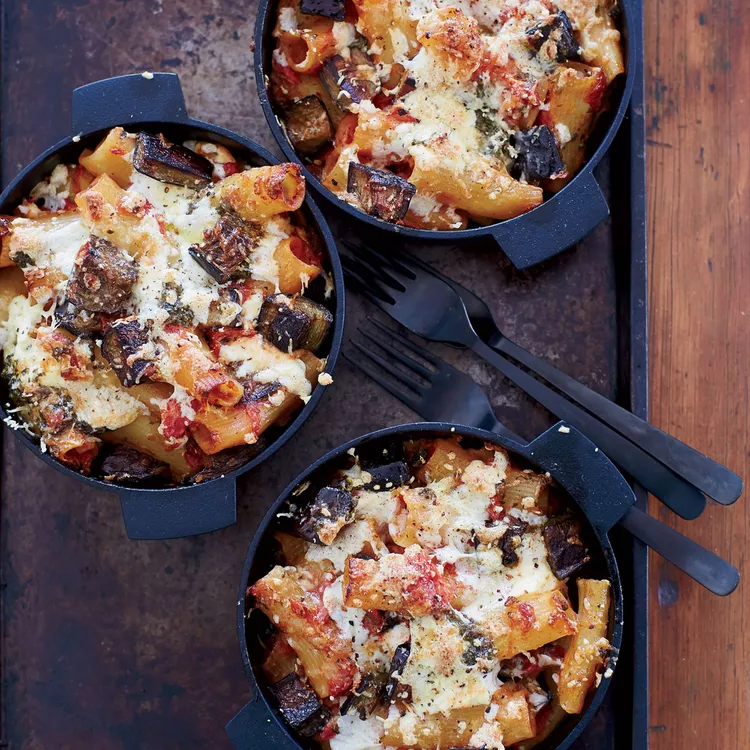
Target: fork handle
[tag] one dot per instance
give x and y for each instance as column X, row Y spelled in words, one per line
column 677, row 494
column 715, row 480
column 702, row 565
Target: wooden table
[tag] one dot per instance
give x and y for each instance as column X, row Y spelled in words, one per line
column 698, row 115
column 699, row 143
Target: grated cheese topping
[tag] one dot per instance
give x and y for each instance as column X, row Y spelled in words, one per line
column 448, row 592
column 478, row 73
column 156, row 231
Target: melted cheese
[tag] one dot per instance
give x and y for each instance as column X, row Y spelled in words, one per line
column 371, row 652
column 379, row 506
column 344, row 35
column 478, row 82
column 356, row 734
column 253, row 357
column 23, row 318
column 53, row 241
column 349, row 620
column 171, row 286
column 452, row 671
column 55, row 190
column 351, row 540
column 490, row 734
column 262, row 264
column 451, row 516
column 479, row 477
column 439, row 678
column 487, row 583
column 251, row 309
column 99, row 406
column 187, row 213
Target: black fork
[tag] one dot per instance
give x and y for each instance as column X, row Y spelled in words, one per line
column 703, row 472
column 431, row 308
column 439, row 392
column 445, row 395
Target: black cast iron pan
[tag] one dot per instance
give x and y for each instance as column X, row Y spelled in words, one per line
column 562, row 220
column 585, row 473
column 155, row 102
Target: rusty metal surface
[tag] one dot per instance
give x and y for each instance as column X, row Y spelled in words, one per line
column 120, row 645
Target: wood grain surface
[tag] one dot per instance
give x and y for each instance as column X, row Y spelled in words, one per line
column 698, row 119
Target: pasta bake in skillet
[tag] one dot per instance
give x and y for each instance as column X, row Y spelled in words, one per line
column 154, row 321
column 433, row 114
column 423, row 597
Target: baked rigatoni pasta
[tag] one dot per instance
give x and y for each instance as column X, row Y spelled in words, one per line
column 153, row 316
column 434, row 114
column 420, row 599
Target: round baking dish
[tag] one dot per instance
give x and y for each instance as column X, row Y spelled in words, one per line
column 155, row 102
column 559, row 222
column 583, row 472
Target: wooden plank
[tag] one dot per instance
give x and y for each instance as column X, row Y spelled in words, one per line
column 699, row 232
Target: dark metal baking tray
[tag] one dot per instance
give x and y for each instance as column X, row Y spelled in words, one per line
column 124, row 645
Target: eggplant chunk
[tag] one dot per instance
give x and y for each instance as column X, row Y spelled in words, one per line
column 510, row 541
column 102, row 278
column 300, row 706
column 79, row 322
column 366, row 697
column 566, row 553
column 126, row 347
column 398, row 664
column 379, row 192
column 259, row 391
column 308, row 124
column 388, row 476
column 556, row 35
column 538, row 156
column 126, row 465
column 223, row 462
column 321, row 521
column 294, row 323
column 156, row 157
column 352, row 80
column 335, row 9
column 227, row 245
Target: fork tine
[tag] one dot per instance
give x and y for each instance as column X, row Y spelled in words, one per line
column 389, row 367
column 378, row 268
column 420, row 351
column 405, row 359
column 360, row 288
column 381, row 258
column 372, row 290
column 413, row 401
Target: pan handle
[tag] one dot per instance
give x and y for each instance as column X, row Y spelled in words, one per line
column 585, row 472
column 140, row 97
column 255, row 727
column 179, row 512
column 702, row 565
column 555, row 225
